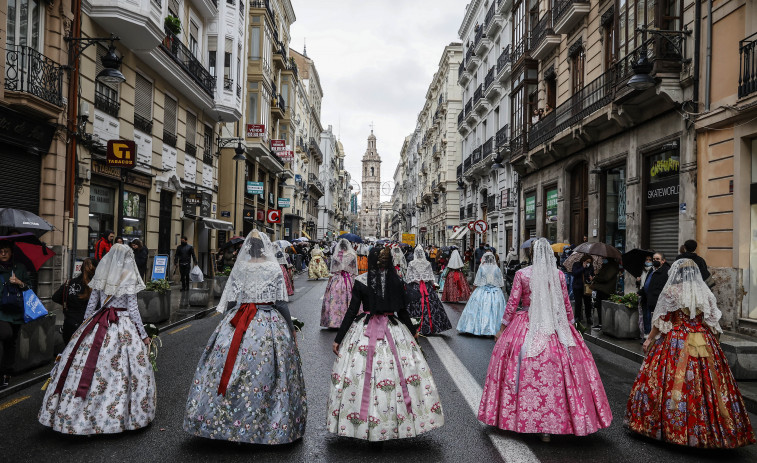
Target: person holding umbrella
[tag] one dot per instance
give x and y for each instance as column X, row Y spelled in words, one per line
column 583, row 272
column 13, row 277
column 604, row 284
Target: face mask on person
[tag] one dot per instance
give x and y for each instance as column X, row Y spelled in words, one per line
column 657, row 264
column 647, row 264
column 604, row 261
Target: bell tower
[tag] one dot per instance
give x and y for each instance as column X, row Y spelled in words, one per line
column 371, row 189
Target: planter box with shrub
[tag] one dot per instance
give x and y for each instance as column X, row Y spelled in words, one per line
column 155, row 302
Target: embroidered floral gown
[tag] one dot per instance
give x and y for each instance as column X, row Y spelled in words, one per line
column 557, row 392
column 456, row 288
column 317, row 268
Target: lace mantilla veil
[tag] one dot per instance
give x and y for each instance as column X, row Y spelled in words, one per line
column 419, row 269
column 344, row 258
column 488, row 272
column 547, row 314
column 256, row 276
column 455, row 262
column 280, row 256
column 117, row 273
column 398, row 258
column 686, row 289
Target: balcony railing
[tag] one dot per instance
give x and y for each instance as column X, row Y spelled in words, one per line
column 541, row 29
column 520, row 49
column 487, row 147
column 228, row 84
column 479, row 93
column 479, row 36
column 142, row 123
column 747, row 65
column 476, row 156
column 241, row 7
column 460, row 117
column 489, row 76
column 282, row 103
column 504, row 59
column 106, row 104
column 184, row 58
column 468, row 54
column 316, row 149
column 190, row 149
column 491, row 203
column 502, row 136
column 239, row 90
column 169, row 138
column 489, row 14
column 460, row 69
column 468, row 106
column 561, row 6
column 467, row 164
column 460, row 170
column 27, row 70
column 207, row 155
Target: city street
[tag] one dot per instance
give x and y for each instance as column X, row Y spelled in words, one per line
column 459, row 365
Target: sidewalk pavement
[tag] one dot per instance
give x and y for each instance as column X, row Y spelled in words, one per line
column 631, row 349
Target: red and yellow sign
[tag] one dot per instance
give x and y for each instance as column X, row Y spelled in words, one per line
column 122, row 153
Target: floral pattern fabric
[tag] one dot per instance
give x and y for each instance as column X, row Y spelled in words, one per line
column 336, row 299
column 387, row 417
column 456, row 288
column 685, row 392
column 265, row 400
column 288, row 280
column 431, row 312
column 122, row 396
column 483, row 313
column 317, row 268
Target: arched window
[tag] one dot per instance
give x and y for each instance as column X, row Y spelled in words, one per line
column 372, row 174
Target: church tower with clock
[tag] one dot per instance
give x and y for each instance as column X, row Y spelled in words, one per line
column 371, row 190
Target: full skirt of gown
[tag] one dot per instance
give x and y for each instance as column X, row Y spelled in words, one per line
column 483, row 313
column 456, row 288
column 317, row 268
column 288, row 280
column 431, row 311
column 336, row 299
column 387, row 415
column 265, row 401
column 557, row 392
column 122, row 394
column 685, row 392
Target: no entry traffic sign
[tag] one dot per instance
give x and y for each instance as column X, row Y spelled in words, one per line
column 480, row 227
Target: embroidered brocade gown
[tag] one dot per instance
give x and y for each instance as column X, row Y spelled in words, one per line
column 120, row 393
column 317, row 267
column 685, row 392
column 557, row 392
column 483, row 313
column 424, row 303
column 456, row 288
column 336, row 299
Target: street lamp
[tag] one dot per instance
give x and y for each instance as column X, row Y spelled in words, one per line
column 239, row 155
column 642, row 68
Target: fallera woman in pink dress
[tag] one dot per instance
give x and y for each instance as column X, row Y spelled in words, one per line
column 542, row 378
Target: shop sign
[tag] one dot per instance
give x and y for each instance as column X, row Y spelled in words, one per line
column 225, row 213
column 284, row 202
column 159, row 267
column 551, row 206
column 663, row 192
column 101, row 200
column 121, row 153
column 255, row 130
column 248, row 214
column 423, row 229
column 138, row 180
column 106, row 171
column 664, row 182
column 273, row 216
column 504, row 198
column 206, row 200
column 191, row 201
column 622, row 205
column 255, row 188
column 530, row 208
column 260, row 215
column 409, row 239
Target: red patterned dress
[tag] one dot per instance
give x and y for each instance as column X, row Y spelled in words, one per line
column 456, row 288
column 685, row 393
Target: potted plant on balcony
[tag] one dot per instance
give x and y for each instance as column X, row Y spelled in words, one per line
column 155, row 301
column 172, row 24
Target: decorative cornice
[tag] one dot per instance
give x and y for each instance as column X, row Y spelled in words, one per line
column 470, row 14
column 550, row 73
column 577, row 46
column 608, row 16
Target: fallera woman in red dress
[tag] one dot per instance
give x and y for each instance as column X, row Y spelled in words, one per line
column 456, row 288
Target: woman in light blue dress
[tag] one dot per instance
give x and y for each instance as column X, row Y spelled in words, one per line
column 484, row 311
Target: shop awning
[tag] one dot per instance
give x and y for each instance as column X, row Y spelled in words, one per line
column 460, row 233
column 215, row 224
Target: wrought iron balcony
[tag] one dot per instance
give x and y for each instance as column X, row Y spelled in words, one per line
column 520, row 49
column 468, row 106
column 504, row 59
column 228, row 84
column 478, row 94
column 282, row 103
column 29, row 71
column 489, row 14
column 183, row 56
column 568, row 13
column 207, row 155
column 747, row 66
column 487, row 148
column 489, row 75
column 542, row 28
column 476, row 156
column 460, row 117
column 190, row 149
column 169, row 138
column 468, row 55
column 142, row 123
column 502, row 136
column 106, row 104
column 466, row 164
column 239, row 90
column 460, row 171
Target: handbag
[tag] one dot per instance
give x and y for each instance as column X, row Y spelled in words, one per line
column 33, row 308
column 10, row 296
column 587, row 289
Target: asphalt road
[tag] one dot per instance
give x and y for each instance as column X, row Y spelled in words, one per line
column 459, row 365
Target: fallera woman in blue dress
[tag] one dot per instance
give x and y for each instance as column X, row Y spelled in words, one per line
column 484, row 311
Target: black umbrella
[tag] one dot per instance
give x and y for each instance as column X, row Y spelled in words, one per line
column 16, row 219
column 232, row 242
column 633, row 261
column 351, row 237
column 598, row 249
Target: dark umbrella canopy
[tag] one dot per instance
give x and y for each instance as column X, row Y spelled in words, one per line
column 29, row 250
column 16, row 219
column 232, row 242
column 633, row 261
column 530, row 242
column 351, row 237
column 598, row 249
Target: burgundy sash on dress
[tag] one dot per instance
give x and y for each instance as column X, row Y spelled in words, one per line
column 240, row 322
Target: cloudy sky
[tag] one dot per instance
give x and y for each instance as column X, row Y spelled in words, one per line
column 375, row 60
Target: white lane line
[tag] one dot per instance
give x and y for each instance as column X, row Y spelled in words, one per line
column 511, row 450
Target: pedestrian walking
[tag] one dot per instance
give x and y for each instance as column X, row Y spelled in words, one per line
column 685, row 392
column 604, row 284
column 74, row 295
column 539, row 358
column 13, row 281
column 689, row 252
column 484, row 311
column 336, row 299
column 103, row 245
column 381, row 386
column 140, row 256
column 583, row 272
column 282, row 260
column 185, row 258
column 103, row 383
column 423, row 301
column 317, row 268
column 248, row 386
column 399, row 261
column 645, row 317
column 653, row 286
column 456, row 287
column 477, row 255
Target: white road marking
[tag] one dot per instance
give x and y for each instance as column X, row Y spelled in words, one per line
column 511, row 450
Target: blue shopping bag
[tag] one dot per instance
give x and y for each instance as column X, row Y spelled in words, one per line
column 33, row 308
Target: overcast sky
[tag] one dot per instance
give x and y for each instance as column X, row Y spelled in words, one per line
column 375, row 60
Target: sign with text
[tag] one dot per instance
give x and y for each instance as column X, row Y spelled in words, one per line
column 283, row 202
column 280, row 148
column 409, row 239
column 531, row 209
column 663, row 178
column 255, row 188
column 159, row 267
column 121, row 153
column 551, row 211
column 255, row 130
column 273, row 216
column 190, row 203
column 248, row 214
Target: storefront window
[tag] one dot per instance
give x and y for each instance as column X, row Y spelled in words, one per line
column 101, row 209
column 550, row 214
column 134, row 213
column 615, row 208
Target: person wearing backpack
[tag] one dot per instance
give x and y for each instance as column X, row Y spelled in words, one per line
column 13, row 276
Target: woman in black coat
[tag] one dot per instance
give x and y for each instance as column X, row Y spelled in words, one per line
column 582, row 272
column 140, row 257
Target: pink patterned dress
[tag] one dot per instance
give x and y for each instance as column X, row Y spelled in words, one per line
column 557, row 392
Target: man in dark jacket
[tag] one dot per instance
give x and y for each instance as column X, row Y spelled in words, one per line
column 653, row 287
column 477, row 255
column 185, row 257
column 690, row 246
column 604, row 284
column 582, row 272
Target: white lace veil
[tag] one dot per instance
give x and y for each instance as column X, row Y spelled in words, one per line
column 316, row 251
column 685, row 288
column 280, row 256
column 455, row 261
column 256, row 276
column 547, row 314
column 344, row 258
column 489, row 272
column 419, row 269
column 398, row 258
column 117, row 273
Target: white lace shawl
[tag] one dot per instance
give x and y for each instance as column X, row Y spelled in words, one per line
column 419, row 269
column 344, row 258
column 455, row 262
column 256, row 276
column 547, row 314
column 685, row 289
column 488, row 272
column 117, row 273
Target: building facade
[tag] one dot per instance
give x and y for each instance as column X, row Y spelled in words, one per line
column 370, row 225
column 328, row 177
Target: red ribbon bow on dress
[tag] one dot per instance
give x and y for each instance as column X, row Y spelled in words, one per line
column 240, row 322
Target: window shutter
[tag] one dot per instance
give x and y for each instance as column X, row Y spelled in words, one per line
column 143, row 97
column 169, row 122
column 191, row 128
